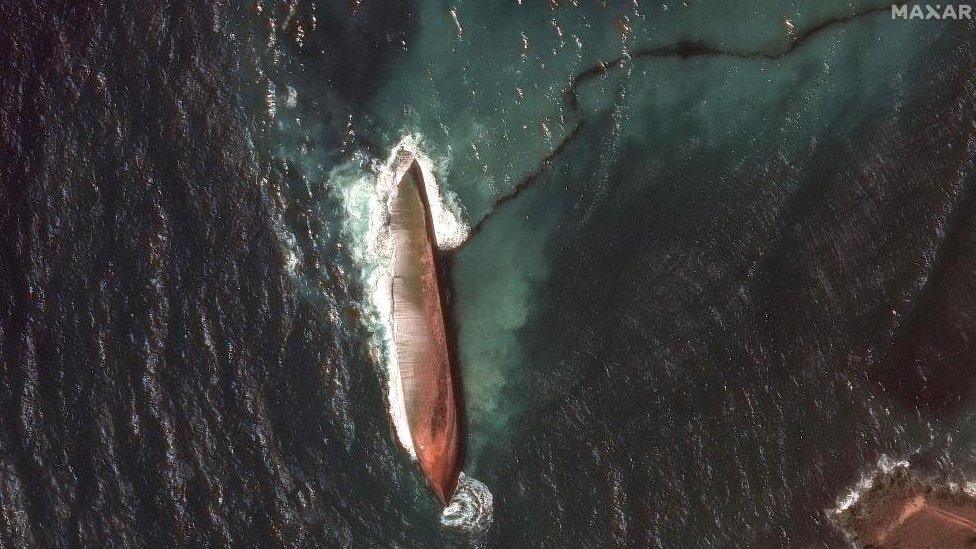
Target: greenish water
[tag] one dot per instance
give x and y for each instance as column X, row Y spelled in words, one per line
column 666, row 332
column 489, row 102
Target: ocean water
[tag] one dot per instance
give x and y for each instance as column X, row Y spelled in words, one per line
column 711, row 265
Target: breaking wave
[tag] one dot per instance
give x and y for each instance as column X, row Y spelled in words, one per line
column 471, row 509
column 885, row 465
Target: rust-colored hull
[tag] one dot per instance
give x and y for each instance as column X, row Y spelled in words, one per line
column 422, row 341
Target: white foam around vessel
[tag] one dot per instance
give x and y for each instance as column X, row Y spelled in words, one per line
column 366, row 197
column 471, row 510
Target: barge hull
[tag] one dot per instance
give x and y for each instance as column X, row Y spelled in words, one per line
column 421, row 337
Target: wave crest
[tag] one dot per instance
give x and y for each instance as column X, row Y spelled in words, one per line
column 471, row 509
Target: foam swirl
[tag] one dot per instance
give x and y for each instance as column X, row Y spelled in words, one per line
column 471, row 509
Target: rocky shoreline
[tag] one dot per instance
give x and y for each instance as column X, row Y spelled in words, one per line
column 900, row 510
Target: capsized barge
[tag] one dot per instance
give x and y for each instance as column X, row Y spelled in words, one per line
column 421, row 336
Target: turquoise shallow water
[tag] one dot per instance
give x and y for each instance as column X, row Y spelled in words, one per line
column 721, row 114
column 675, row 329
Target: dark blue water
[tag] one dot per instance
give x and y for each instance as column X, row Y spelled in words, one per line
column 718, row 265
